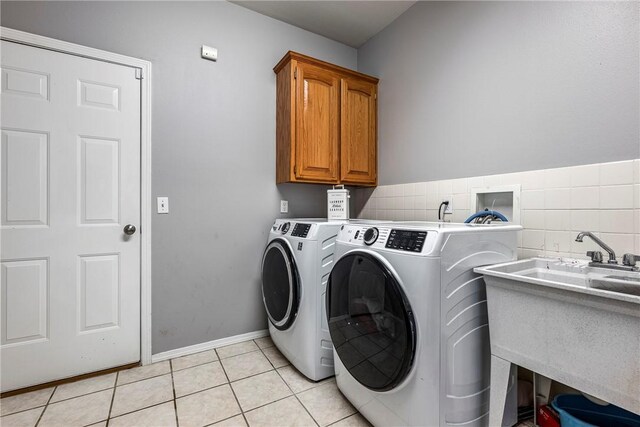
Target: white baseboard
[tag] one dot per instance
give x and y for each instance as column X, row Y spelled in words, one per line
column 197, row 348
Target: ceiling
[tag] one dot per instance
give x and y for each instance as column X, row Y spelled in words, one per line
column 349, row 22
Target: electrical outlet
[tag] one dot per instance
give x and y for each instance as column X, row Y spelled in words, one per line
column 163, row 205
column 284, row 206
column 449, row 208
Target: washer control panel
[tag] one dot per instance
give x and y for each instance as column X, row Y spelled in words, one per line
column 406, row 240
column 301, row 230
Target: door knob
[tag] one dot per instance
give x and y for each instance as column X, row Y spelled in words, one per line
column 129, row 229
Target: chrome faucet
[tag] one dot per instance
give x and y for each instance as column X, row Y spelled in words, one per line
column 603, row 245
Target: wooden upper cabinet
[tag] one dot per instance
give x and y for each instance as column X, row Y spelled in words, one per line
column 358, row 132
column 317, row 117
column 325, row 123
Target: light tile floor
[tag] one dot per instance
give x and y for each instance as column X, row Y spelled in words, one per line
column 250, row 383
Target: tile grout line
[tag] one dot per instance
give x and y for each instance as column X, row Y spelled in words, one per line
column 294, row 394
column 113, row 397
column 231, row 387
column 173, row 388
column 132, row 382
column 46, row 406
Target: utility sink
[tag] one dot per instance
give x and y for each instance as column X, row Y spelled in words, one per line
column 565, row 272
column 570, row 322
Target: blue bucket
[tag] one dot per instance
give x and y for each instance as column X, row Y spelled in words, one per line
column 578, row 411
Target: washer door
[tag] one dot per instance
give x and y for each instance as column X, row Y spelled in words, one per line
column 370, row 321
column 280, row 284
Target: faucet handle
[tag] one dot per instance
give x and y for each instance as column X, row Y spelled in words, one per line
column 630, row 259
column 596, row 256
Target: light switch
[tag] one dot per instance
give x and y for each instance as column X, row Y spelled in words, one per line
column 163, row 205
column 284, row 206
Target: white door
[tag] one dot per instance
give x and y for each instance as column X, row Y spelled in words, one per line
column 70, row 182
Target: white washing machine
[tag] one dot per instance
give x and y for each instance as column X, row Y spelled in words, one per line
column 408, row 320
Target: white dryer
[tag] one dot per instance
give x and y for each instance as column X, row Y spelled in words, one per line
column 408, row 320
column 295, row 268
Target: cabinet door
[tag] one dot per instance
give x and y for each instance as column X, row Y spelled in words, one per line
column 317, row 132
column 358, row 132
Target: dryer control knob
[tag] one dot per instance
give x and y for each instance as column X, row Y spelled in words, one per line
column 370, row 236
column 285, row 227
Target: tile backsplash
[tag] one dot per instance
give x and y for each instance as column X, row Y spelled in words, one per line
column 555, row 205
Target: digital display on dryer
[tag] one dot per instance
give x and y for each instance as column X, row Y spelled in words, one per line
column 301, row 230
column 406, row 240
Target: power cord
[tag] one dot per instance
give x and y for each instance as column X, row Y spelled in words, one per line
column 445, row 204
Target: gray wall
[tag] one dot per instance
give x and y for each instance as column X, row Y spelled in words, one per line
column 476, row 88
column 213, row 147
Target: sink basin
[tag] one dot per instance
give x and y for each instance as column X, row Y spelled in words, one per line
column 557, row 272
column 570, row 322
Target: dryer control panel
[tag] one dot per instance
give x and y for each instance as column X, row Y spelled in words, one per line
column 301, row 230
column 406, row 240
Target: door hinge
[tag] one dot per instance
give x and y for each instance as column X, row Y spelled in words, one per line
column 139, row 75
column 375, row 96
column 295, row 73
column 295, row 169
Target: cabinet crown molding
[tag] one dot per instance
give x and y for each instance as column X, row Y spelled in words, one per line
column 291, row 55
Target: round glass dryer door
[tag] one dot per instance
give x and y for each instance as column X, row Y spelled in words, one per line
column 280, row 287
column 370, row 321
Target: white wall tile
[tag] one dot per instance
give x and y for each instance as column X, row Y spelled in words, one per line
column 492, row 180
column 420, row 202
column 461, row 202
column 555, row 205
column 617, row 173
column 557, row 220
column 475, row 182
column 532, row 199
column 432, row 214
column 616, row 197
column 533, row 239
column 585, row 176
column 557, row 178
column 530, row 253
column 432, row 200
column 397, row 215
column 557, row 198
column 445, row 187
column 408, row 202
column 458, row 216
column 397, row 203
column 532, row 180
column 383, row 191
column 534, row 219
column 620, row 243
column 617, row 221
column 510, row 178
column 432, row 187
column 557, row 241
column 459, row 186
column 585, row 198
column 585, row 220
